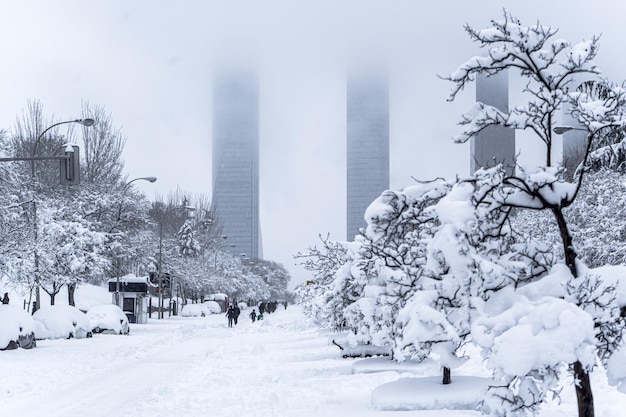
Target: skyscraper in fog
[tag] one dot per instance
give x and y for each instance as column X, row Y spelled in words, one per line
column 235, row 198
column 574, row 142
column 367, row 103
column 495, row 144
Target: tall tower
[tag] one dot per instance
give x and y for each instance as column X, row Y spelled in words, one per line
column 495, row 144
column 367, row 104
column 235, row 197
column 575, row 141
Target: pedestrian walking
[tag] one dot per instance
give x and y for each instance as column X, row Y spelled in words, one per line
column 5, row 299
column 253, row 316
column 237, row 313
column 231, row 316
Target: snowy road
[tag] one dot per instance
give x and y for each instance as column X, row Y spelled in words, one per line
column 191, row 367
column 280, row 367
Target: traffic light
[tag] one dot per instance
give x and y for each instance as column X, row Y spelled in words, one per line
column 70, row 165
column 167, row 281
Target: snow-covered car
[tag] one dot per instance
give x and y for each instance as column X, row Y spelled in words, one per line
column 219, row 298
column 213, row 307
column 17, row 328
column 61, row 322
column 195, row 310
column 108, row 318
column 201, row 309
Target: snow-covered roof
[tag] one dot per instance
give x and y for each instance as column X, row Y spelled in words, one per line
column 130, row 278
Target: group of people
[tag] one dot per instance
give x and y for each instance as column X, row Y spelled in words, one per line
column 234, row 311
column 233, row 314
column 270, row 306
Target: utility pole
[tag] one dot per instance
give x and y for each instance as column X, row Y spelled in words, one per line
column 119, row 218
column 160, row 266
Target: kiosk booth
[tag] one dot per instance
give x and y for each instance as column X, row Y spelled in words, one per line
column 130, row 293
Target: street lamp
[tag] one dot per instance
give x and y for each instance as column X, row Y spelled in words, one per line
column 189, row 212
column 84, row 122
column 559, row 130
column 125, row 189
column 590, row 135
column 119, row 216
column 219, row 247
column 149, row 179
column 190, row 216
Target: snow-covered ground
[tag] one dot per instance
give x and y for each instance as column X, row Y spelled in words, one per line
column 194, row 366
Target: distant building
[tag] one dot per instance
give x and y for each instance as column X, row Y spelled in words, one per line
column 495, row 144
column 367, row 103
column 575, row 140
column 235, row 199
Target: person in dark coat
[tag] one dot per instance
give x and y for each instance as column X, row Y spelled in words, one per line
column 253, row 316
column 237, row 313
column 5, row 299
column 231, row 316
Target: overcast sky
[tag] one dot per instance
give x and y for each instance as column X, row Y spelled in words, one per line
column 149, row 63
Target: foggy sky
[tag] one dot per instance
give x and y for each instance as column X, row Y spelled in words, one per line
column 149, row 64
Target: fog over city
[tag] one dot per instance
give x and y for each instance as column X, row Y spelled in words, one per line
column 150, row 64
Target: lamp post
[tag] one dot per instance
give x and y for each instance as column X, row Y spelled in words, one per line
column 575, row 148
column 584, row 144
column 119, row 216
column 219, row 247
column 190, row 216
column 84, row 122
column 160, row 266
column 125, row 189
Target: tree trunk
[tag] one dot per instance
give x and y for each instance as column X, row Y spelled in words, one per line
column 446, row 376
column 566, row 239
column 583, row 391
column 55, row 290
column 71, row 288
column 583, row 384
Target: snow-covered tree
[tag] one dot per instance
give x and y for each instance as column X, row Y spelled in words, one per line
column 68, row 249
column 400, row 226
column 270, row 279
column 187, row 242
column 548, row 66
column 600, row 200
column 346, row 289
column 103, row 145
column 323, row 264
column 447, row 247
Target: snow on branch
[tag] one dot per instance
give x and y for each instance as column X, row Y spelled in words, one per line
column 477, row 118
column 531, row 50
